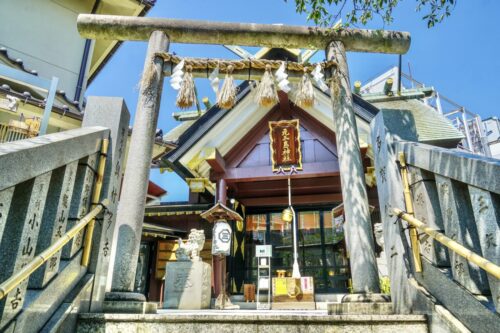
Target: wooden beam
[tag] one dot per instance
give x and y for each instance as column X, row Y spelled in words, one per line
column 284, row 103
column 215, row 160
column 245, row 34
column 275, row 192
column 262, row 173
column 296, row 200
column 297, row 183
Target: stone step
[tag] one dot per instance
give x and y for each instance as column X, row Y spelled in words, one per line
column 274, row 321
column 360, row 308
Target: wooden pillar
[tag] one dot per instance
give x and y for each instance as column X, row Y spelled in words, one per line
column 133, row 199
column 219, row 263
column 358, row 222
column 222, row 191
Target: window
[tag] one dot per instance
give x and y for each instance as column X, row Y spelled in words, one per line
column 282, row 241
column 321, row 247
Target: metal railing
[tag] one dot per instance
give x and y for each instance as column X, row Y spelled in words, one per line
column 456, row 247
column 9, row 133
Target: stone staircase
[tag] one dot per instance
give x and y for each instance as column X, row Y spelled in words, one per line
column 275, row 321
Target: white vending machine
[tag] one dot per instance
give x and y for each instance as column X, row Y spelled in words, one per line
column 264, row 254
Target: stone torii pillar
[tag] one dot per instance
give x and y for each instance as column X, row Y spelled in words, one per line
column 360, row 245
column 132, row 203
column 363, row 266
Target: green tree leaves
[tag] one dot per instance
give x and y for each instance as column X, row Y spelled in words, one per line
column 360, row 12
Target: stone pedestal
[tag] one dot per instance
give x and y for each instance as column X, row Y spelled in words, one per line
column 127, row 302
column 187, row 285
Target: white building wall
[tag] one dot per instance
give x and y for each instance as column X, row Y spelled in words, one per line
column 492, row 129
column 43, row 34
column 495, row 150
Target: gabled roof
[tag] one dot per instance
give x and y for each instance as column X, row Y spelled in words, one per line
column 105, row 49
column 175, row 133
column 198, row 129
column 62, row 105
column 176, row 208
column 431, row 126
column 155, row 190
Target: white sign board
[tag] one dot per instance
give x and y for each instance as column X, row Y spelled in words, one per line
column 263, row 251
column 264, row 283
column 221, row 239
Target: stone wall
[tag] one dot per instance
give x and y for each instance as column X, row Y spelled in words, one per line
column 429, row 168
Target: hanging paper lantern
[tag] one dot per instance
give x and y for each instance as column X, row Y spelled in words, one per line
column 226, row 98
column 304, row 96
column 186, row 96
column 267, row 94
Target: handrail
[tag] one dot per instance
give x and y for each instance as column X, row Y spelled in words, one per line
column 87, row 245
column 415, row 245
column 456, row 247
column 43, row 257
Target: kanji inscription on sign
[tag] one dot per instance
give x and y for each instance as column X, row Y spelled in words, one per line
column 285, row 145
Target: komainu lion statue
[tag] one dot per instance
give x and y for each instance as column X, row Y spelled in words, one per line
column 190, row 250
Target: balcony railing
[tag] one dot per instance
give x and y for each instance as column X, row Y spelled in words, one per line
column 19, row 130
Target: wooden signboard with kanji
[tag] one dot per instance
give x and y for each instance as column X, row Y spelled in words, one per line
column 285, row 145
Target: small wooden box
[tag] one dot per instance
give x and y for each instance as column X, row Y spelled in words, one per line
column 249, row 292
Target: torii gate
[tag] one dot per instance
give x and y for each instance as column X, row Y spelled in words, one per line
column 160, row 32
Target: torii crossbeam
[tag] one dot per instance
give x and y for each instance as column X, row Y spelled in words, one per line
column 246, row 34
column 335, row 42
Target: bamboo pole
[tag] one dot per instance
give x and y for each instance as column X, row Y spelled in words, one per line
column 43, row 257
column 458, row 248
column 87, row 244
column 415, row 245
column 245, row 34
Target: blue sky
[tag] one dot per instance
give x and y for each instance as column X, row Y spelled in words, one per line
column 459, row 57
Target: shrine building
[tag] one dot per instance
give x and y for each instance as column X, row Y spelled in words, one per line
column 225, row 156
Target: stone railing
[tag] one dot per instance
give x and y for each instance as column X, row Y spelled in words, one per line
column 456, row 194
column 59, row 189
